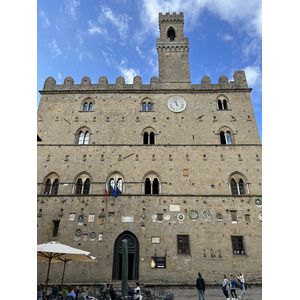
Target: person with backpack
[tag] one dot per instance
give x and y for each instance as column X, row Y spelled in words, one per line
column 225, row 287
column 233, row 287
column 200, row 284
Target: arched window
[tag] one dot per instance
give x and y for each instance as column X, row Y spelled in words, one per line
column 78, row 186
column 116, row 183
column 242, row 187
column 147, row 104
column 225, row 136
column 145, row 138
column 147, row 186
column 85, row 106
column 86, row 138
column 51, row 185
column 171, row 34
column 222, row 138
column 151, row 184
column 47, row 187
column 234, row 189
column 149, row 137
column 144, row 106
column 238, row 185
column 54, row 187
column 222, row 103
column 83, row 136
column 80, row 138
column 228, row 138
column 152, row 138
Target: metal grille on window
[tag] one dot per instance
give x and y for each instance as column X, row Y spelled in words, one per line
column 183, row 244
column 238, row 245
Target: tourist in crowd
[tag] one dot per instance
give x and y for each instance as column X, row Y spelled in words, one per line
column 83, row 296
column 64, row 292
column 76, row 291
column 113, row 293
column 200, row 284
column 242, row 281
column 225, row 287
column 137, row 292
column 71, row 295
column 233, row 287
column 54, row 292
column 130, row 292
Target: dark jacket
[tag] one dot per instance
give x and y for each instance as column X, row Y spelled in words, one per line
column 200, row 283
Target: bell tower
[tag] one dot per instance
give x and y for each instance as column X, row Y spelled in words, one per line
column 173, row 49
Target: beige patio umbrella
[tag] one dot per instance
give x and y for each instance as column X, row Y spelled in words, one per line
column 54, row 252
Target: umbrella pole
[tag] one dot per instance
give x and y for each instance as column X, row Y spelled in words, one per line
column 46, row 288
column 63, row 275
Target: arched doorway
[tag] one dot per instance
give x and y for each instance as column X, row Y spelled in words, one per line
column 133, row 256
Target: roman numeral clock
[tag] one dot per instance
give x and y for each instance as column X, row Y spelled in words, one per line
column 176, row 104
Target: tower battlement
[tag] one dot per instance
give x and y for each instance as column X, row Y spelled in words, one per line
column 239, row 82
column 174, row 17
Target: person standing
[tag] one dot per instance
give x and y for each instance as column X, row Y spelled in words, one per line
column 233, row 287
column 200, row 284
column 225, row 287
column 241, row 279
column 137, row 292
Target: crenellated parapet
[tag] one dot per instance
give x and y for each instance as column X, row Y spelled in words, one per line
column 239, row 82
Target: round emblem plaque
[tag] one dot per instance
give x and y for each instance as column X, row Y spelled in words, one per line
column 80, row 218
column 181, row 217
column 258, row 202
column 193, row 214
column 207, row 214
column 78, row 232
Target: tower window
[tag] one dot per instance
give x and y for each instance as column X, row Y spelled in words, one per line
column 88, row 105
column 151, row 185
column 225, row 137
column 83, row 137
column 148, row 137
column 238, row 185
column 222, row 104
column 55, row 228
column 171, row 34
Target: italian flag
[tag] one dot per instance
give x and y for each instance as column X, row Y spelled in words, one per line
column 106, row 189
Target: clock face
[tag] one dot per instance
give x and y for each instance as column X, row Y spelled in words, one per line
column 176, row 104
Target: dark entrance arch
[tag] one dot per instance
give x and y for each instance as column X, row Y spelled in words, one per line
column 133, row 256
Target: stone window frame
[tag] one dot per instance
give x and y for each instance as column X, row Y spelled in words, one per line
column 237, row 177
column 52, row 188
column 151, row 176
column 84, row 130
column 149, row 130
column 183, row 244
column 84, row 176
column 145, row 104
column 115, row 176
column 238, row 247
column 226, row 130
column 87, row 104
column 221, row 98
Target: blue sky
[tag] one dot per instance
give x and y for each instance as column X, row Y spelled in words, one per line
column 97, row 38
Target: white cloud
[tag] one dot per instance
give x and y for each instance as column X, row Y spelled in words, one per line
column 128, row 74
column 59, row 78
column 119, row 21
column 226, row 37
column 45, row 20
column 253, row 75
column 72, row 7
column 55, row 50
